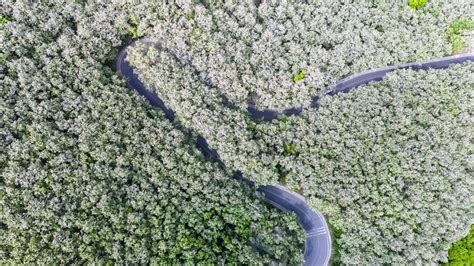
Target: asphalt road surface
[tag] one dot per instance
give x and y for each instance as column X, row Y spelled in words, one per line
column 353, row 81
column 318, row 240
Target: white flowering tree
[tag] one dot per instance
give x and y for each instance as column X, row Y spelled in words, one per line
column 390, row 162
column 90, row 173
column 279, row 54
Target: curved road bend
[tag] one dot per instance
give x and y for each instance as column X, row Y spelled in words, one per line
column 362, row 78
column 343, row 85
column 318, row 240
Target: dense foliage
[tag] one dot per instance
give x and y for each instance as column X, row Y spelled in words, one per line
column 253, row 52
column 390, row 163
column 91, row 173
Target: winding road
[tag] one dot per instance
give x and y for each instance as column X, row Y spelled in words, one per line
column 318, row 240
column 353, row 81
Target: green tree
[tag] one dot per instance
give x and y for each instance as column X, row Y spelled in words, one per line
column 462, row 251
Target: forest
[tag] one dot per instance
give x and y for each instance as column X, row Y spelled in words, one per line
column 92, row 173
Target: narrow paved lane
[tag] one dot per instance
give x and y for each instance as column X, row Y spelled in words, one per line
column 362, row 78
column 318, row 240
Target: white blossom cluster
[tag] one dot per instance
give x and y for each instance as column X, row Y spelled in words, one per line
column 390, row 163
column 90, row 173
column 280, row 54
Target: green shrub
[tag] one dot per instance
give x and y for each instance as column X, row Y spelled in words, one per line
column 417, row 4
column 133, row 29
column 454, row 33
column 289, row 149
column 4, row 19
column 462, row 251
column 299, row 76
